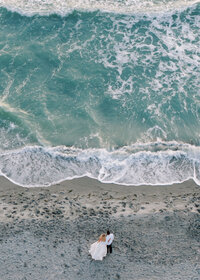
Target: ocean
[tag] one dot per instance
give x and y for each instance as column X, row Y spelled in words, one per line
column 108, row 89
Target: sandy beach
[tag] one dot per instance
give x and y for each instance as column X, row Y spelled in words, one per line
column 46, row 232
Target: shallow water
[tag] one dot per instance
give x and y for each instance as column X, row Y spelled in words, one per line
column 105, row 89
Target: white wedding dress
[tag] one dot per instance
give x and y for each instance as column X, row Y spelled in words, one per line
column 98, row 250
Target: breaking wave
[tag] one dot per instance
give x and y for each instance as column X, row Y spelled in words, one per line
column 64, row 7
column 159, row 163
column 72, row 88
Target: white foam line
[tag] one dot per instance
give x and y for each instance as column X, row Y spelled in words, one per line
column 8, row 108
column 64, row 7
column 137, row 145
column 103, row 182
column 102, row 155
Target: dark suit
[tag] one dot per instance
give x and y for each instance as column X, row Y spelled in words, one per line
column 109, row 247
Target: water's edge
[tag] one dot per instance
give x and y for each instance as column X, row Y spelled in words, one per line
column 151, row 164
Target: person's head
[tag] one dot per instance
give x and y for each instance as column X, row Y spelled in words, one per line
column 102, row 237
column 108, row 232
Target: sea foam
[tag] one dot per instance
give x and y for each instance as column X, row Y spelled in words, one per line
column 94, row 82
column 159, row 163
column 64, row 7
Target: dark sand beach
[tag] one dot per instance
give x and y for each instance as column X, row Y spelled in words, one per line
column 45, row 233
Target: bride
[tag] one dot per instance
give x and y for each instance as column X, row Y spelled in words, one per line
column 98, row 250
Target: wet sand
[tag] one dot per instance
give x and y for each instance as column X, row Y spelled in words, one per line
column 45, row 233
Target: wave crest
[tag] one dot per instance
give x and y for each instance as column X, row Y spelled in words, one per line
column 157, row 163
column 64, row 7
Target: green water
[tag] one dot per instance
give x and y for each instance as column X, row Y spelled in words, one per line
column 113, row 96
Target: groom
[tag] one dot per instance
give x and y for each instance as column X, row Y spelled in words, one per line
column 109, row 240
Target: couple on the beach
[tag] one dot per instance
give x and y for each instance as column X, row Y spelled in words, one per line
column 100, row 248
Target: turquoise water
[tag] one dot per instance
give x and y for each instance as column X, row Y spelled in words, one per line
column 105, row 89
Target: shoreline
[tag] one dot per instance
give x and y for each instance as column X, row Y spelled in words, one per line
column 146, row 198
column 45, row 232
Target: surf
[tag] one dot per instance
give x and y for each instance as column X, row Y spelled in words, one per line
column 109, row 96
column 159, row 163
column 65, row 7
